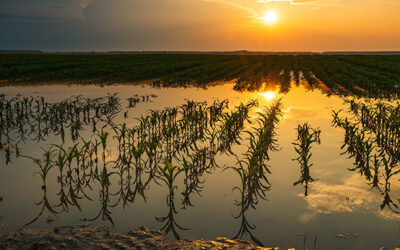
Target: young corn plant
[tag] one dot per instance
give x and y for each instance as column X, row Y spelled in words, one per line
column 253, row 170
column 306, row 136
column 168, row 175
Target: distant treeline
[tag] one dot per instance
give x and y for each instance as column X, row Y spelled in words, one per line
column 340, row 74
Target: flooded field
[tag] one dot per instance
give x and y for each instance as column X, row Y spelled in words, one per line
column 290, row 165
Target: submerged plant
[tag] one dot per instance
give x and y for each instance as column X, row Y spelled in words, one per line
column 168, row 174
column 35, row 118
column 253, row 170
column 232, row 125
column 370, row 141
column 306, row 136
column 187, row 135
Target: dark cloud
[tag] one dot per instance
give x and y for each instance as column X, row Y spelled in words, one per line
column 22, row 17
column 40, row 9
column 118, row 25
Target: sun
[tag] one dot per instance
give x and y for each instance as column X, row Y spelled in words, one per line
column 270, row 17
column 269, row 95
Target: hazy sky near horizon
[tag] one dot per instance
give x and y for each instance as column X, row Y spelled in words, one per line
column 302, row 25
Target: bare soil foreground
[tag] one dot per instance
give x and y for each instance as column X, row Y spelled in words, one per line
column 90, row 237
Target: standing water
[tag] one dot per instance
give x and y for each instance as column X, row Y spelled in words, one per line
column 202, row 163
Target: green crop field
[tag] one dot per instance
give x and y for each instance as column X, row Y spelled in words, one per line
column 354, row 73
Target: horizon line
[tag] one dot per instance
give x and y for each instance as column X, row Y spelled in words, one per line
column 227, row 52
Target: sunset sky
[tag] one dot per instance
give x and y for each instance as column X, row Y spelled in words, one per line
column 261, row 25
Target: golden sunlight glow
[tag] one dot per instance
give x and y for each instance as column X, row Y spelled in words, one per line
column 269, row 95
column 270, row 17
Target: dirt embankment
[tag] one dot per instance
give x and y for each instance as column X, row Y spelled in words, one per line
column 90, row 237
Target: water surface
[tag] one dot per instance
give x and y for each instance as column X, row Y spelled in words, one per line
column 341, row 211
